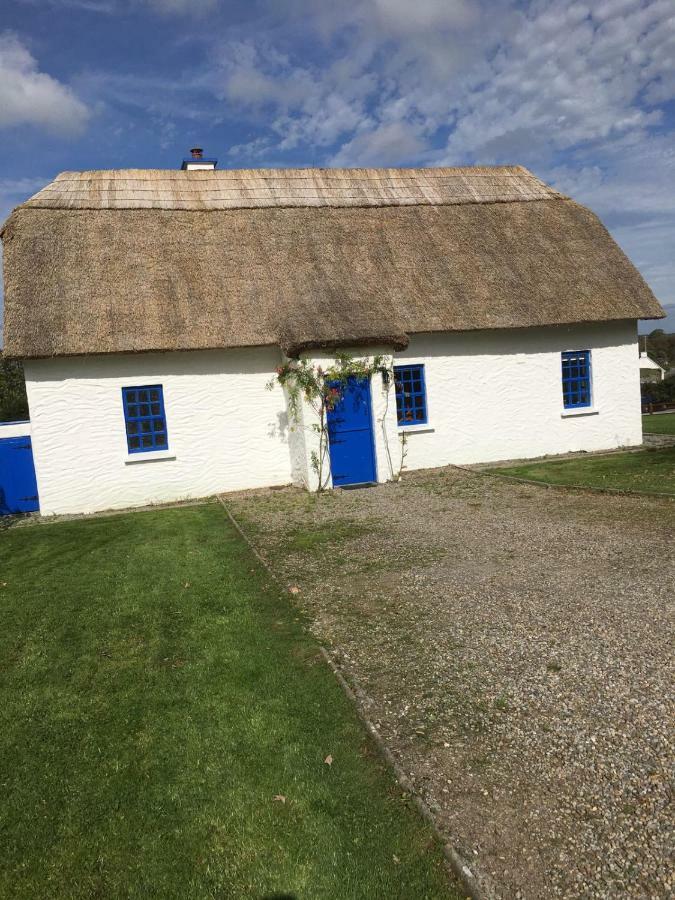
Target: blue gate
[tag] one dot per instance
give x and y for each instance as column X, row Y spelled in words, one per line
column 18, row 487
column 350, row 436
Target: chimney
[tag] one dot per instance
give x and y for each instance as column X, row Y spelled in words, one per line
column 196, row 160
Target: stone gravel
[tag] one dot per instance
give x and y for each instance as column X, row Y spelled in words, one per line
column 514, row 644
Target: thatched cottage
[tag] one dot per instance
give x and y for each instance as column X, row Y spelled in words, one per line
column 151, row 308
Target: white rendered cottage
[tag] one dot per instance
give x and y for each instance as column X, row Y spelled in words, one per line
column 151, row 309
column 650, row 370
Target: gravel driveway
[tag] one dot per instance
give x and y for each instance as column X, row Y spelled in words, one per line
column 515, row 644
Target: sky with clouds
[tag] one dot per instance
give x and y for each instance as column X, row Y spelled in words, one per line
column 581, row 93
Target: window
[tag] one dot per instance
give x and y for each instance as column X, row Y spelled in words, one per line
column 411, row 400
column 144, row 418
column 576, row 378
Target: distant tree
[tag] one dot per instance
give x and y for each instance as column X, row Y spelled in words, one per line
column 13, row 400
column 661, row 347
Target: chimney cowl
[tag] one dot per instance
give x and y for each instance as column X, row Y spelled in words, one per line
column 197, row 152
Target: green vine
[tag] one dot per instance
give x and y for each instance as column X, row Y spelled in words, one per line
column 323, row 389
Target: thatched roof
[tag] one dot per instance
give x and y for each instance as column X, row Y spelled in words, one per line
column 105, row 262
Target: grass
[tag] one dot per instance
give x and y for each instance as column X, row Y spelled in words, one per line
column 644, row 470
column 159, row 697
column 664, row 423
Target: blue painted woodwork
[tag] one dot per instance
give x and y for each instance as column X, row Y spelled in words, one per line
column 576, row 378
column 18, row 487
column 350, row 436
column 144, row 418
column 411, row 395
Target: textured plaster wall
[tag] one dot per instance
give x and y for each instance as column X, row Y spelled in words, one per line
column 496, row 395
column 226, row 431
column 491, row 395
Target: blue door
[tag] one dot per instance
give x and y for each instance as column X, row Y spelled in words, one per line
column 18, row 488
column 350, row 436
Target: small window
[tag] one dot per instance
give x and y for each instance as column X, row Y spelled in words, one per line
column 411, row 398
column 576, row 378
column 145, row 421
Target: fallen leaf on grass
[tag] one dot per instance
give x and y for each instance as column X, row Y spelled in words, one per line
column 329, row 760
column 279, row 798
column 396, row 859
column 294, row 589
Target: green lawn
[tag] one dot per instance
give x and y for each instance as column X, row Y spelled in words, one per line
column 664, row 423
column 158, row 698
column 644, row 470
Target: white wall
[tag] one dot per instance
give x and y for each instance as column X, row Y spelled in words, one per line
column 491, row 395
column 495, row 395
column 14, row 429
column 226, row 431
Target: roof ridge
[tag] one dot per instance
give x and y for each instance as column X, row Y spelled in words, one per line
column 311, row 187
column 303, row 171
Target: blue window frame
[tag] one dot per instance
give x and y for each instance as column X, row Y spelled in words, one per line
column 144, row 418
column 411, row 397
column 576, row 378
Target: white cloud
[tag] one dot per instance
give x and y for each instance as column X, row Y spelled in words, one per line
column 301, row 105
column 391, row 144
column 404, row 16
column 504, row 81
column 31, row 97
column 95, row 6
column 567, row 77
column 182, row 7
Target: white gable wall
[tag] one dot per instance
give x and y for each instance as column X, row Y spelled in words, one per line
column 495, row 395
column 226, row 430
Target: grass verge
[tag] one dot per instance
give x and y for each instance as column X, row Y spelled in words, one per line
column 664, row 423
column 644, row 470
column 165, row 722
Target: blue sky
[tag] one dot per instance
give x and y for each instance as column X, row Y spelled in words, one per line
column 581, row 93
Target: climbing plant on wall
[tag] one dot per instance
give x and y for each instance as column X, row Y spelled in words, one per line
column 323, row 389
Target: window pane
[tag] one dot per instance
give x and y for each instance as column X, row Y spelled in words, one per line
column 410, row 396
column 143, row 418
column 576, row 378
